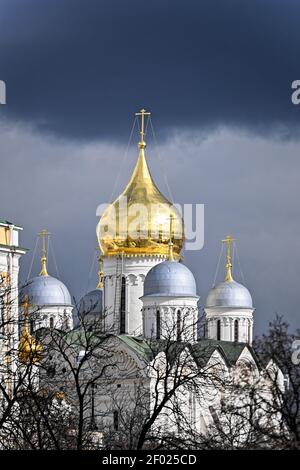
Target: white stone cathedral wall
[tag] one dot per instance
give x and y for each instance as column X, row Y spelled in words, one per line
column 134, row 269
column 168, row 307
column 227, row 318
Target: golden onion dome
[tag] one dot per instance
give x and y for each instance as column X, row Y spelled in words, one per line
column 138, row 221
column 30, row 350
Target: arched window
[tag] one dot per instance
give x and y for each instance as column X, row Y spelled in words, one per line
column 51, row 322
column 123, row 307
column 158, row 324
column 116, row 420
column 178, row 325
column 236, row 330
column 219, row 330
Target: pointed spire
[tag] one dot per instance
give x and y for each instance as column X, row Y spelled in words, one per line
column 26, row 306
column 142, row 113
column 44, row 234
column 171, row 256
column 100, row 273
column 228, row 240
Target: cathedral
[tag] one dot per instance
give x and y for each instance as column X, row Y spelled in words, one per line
column 145, row 294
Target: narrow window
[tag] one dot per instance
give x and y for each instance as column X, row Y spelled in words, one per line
column 158, row 324
column 249, row 331
column 123, row 307
column 178, row 325
column 116, row 420
column 51, row 322
column 219, row 330
column 31, row 326
column 236, row 330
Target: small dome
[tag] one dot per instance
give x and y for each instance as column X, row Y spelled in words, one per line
column 91, row 303
column 46, row 290
column 170, row 278
column 229, row 294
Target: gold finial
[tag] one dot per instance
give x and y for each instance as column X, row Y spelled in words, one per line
column 228, row 240
column 142, row 113
column 100, row 273
column 171, row 256
column 43, row 234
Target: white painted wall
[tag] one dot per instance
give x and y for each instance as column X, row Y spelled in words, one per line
column 168, row 308
column 61, row 315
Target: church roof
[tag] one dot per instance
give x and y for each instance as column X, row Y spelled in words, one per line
column 6, row 222
column 169, row 279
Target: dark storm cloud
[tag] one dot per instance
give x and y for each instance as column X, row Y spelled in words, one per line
column 80, row 68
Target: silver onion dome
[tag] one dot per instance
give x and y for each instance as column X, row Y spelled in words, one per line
column 170, row 278
column 229, row 294
column 46, row 290
column 91, row 303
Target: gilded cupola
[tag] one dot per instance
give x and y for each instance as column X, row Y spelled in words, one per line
column 137, row 222
column 229, row 293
